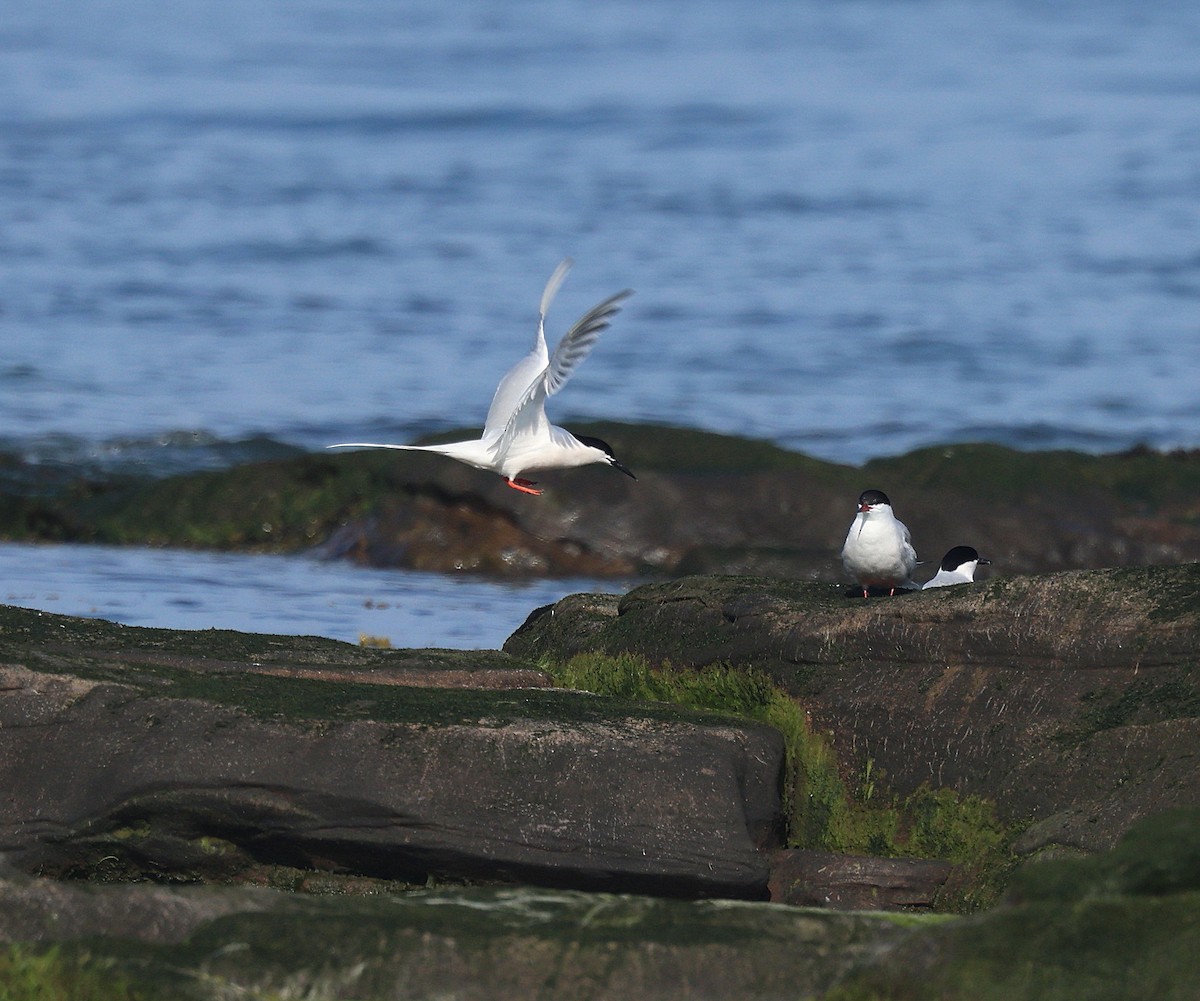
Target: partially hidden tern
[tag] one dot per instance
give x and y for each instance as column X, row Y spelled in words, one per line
column 958, row 567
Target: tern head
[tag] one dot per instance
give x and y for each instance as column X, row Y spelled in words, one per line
column 964, row 558
column 868, row 500
column 604, row 447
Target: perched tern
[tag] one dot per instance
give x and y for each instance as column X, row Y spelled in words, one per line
column 958, row 567
column 878, row 550
column 517, row 437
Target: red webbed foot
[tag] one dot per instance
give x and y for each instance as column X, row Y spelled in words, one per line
column 525, row 486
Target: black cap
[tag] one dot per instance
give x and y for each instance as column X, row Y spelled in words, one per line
column 873, row 497
column 959, row 555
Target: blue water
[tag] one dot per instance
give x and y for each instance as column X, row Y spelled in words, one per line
column 283, row 595
column 853, row 227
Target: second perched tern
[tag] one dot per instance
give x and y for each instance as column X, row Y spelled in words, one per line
column 878, row 550
column 958, row 567
column 517, row 436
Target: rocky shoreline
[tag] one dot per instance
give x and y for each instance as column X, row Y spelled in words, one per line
column 302, row 781
column 717, row 785
column 703, row 503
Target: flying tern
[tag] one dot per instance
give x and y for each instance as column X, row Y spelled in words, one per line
column 878, row 550
column 517, row 436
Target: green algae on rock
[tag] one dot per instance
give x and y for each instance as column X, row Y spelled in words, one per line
column 53, row 974
column 824, row 812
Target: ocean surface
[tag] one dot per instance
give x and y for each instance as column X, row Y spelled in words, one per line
column 853, row 227
column 282, row 595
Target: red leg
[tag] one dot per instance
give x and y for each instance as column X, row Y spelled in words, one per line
column 525, row 486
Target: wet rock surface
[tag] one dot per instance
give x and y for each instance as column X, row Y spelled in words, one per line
column 1069, row 700
column 168, row 765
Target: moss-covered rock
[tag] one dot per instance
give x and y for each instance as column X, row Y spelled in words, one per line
column 1069, row 702
column 1124, row 926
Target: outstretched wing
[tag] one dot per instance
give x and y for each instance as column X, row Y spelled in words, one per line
column 520, row 377
column 577, row 342
column 530, row 413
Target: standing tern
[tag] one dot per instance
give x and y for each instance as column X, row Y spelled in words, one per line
column 958, row 567
column 878, row 550
column 517, row 436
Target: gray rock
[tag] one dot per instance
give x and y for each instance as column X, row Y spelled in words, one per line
column 157, row 762
column 49, row 910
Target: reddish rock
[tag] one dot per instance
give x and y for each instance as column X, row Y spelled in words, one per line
column 855, row 882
